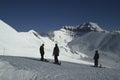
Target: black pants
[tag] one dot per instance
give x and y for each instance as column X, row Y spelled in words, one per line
column 42, row 57
column 96, row 63
column 55, row 59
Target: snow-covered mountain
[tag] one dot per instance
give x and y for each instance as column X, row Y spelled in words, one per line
column 85, row 27
column 76, row 43
column 90, row 26
column 27, row 44
column 87, row 38
column 116, row 31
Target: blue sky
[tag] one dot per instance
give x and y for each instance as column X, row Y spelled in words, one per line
column 48, row 15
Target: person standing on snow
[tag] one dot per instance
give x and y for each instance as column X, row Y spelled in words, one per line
column 56, row 54
column 96, row 58
column 42, row 52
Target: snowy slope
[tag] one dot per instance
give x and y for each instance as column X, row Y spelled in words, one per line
column 77, row 44
column 14, row 68
column 5, row 27
column 27, row 44
column 95, row 40
column 90, row 37
column 107, row 44
column 5, row 32
column 15, row 42
column 83, row 40
column 63, row 37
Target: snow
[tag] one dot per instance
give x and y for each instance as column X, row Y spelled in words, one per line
column 9, row 72
column 27, row 44
column 16, row 68
column 116, row 32
column 62, row 36
column 107, row 45
column 91, row 26
column 85, row 27
column 6, row 27
column 76, row 53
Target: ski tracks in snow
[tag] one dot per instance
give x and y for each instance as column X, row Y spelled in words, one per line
column 13, row 68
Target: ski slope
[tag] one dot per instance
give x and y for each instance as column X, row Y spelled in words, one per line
column 16, row 68
column 76, row 53
column 26, row 44
column 75, row 45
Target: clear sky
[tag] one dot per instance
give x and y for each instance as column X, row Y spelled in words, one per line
column 47, row 15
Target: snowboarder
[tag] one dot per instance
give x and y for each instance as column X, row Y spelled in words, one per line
column 56, row 54
column 96, row 57
column 42, row 52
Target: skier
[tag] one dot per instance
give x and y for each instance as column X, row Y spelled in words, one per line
column 96, row 57
column 56, row 54
column 42, row 52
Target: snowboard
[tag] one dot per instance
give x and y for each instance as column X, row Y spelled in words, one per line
column 100, row 66
column 45, row 60
column 59, row 63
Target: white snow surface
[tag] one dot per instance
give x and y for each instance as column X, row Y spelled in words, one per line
column 75, row 47
column 107, row 44
column 16, row 68
column 27, row 44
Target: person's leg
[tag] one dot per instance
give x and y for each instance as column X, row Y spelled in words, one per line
column 96, row 63
column 56, row 59
column 41, row 57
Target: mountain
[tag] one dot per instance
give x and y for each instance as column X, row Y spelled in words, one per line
column 77, row 43
column 116, row 31
column 90, row 26
column 85, row 27
column 27, row 44
column 6, row 27
column 68, row 33
column 16, row 43
column 87, row 38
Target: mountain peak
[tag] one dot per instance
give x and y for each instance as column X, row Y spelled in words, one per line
column 85, row 27
column 90, row 26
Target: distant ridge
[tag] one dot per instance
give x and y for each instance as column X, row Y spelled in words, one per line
column 85, row 27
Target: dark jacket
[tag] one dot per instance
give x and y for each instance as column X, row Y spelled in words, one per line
column 42, row 50
column 56, row 51
column 96, row 57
